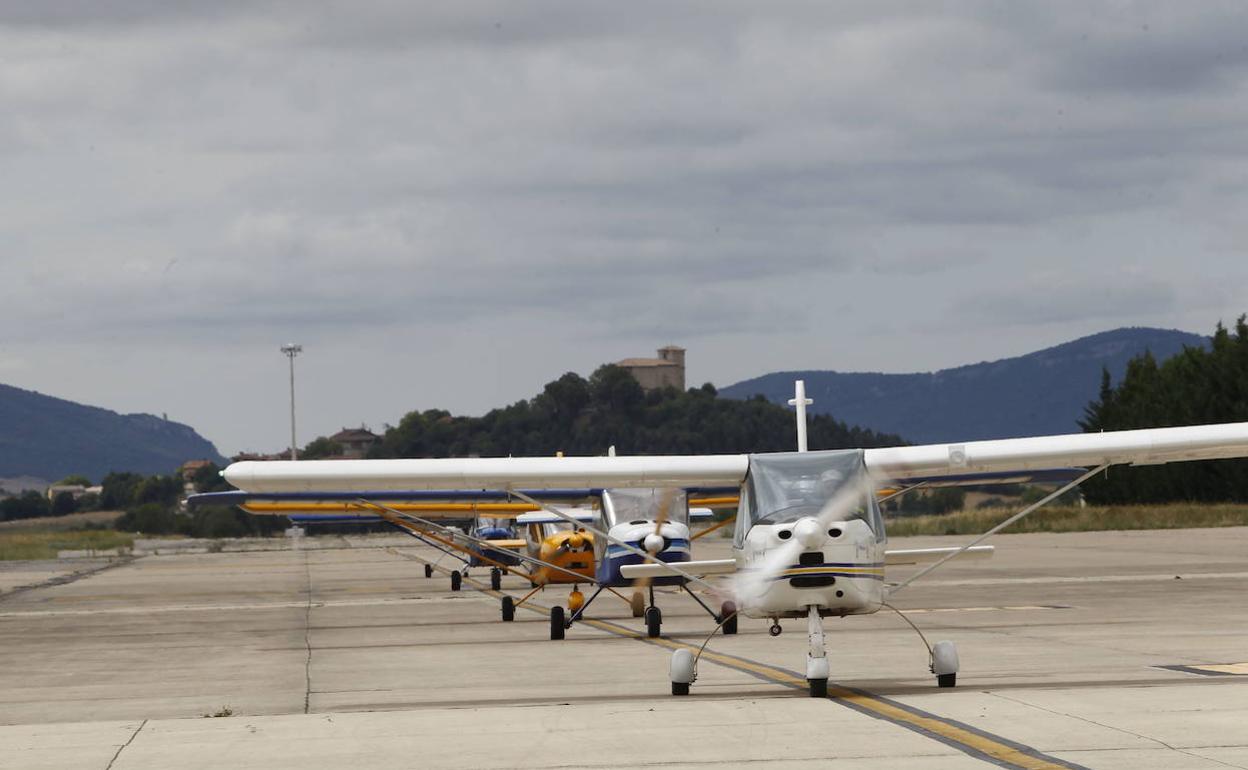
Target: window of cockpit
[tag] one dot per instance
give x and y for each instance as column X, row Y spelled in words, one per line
column 784, row 487
column 624, row 505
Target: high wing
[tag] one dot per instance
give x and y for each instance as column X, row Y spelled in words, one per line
column 1137, row 447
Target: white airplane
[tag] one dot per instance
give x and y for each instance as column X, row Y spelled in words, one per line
column 809, row 539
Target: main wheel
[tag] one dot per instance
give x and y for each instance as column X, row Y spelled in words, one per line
column 428, row 570
column 947, row 680
column 456, row 580
column 680, row 688
column 496, row 578
column 557, row 628
column 654, row 621
column 638, row 604
column 509, row 609
column 728, row 610
column 818, row 688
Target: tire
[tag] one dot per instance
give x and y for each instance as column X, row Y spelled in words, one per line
column 680, row 688
column 728, row 610
column 818, row 688
column 947, row 680
column 637, row 602
column 557, row 628
column 456, row 580
column 654, row 621
column 428, row 570
column 509, row 609
column 496, row 578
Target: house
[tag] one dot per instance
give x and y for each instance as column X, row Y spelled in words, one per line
column 666, row 371
column 355, row 442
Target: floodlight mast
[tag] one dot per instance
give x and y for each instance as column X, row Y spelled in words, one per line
column 291, row 350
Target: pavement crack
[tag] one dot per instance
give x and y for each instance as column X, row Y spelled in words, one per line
column 72, row 577
column 1122, row 730
column 307, row 637
column 123, row 746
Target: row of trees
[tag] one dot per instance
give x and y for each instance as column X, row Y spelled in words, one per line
column 1197, row 386
column 582, row 416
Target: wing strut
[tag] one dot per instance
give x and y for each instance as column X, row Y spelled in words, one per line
column 1039, row 503
column 483, row 545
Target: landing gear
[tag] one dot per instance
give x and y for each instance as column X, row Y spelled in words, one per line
column 945, row 664
column 637, row 603
column 728, row 610
column 682, row 672
column 428, row 570
column 557, row 627
column 816, row 656
column 509, row 609
column 775, row 629
column 456, row 580
column 496, row 578
column 654, row 621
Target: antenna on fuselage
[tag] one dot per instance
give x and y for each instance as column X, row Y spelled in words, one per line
column 800, row 401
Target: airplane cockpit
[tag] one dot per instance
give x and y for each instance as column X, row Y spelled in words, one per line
column 783, row 488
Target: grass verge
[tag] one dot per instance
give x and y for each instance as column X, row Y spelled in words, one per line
column 21, row 544
column 1074, row 519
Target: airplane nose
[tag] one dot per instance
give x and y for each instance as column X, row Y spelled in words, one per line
column 809, row 533
column 653, row 543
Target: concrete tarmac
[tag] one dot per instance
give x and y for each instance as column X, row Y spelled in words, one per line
column 1101, row 650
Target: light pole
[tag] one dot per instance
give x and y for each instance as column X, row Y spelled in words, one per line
column 291, row 350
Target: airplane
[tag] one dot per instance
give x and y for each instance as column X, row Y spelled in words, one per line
column 656, row 520
column 809, row 540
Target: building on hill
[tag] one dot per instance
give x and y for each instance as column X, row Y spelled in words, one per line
column 666, row 371
column 355, row 442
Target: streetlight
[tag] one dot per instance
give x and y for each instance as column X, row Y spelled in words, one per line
column 291, row 350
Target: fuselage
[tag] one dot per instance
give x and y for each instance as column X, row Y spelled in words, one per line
column 838, row 568
column 674, row 548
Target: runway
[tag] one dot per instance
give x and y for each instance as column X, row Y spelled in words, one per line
column 1101, row 650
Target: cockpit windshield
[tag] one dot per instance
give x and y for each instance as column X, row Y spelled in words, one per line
column 785, row 487
column 620, row 506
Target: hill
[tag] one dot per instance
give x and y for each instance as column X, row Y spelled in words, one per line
column 52, row 438
column 1036, row 394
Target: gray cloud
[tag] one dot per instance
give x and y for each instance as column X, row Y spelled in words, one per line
column 453, row 186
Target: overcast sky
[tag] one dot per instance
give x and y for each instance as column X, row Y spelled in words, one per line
column 450, row 204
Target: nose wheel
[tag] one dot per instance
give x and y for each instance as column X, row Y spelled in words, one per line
column 654, row 621
column 775, row 629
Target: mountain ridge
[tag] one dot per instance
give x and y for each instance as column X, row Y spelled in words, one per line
column 1039, row 393
column 50, row 437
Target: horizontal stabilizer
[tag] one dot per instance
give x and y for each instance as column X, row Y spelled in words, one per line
column 699, row 568
column 924, row 555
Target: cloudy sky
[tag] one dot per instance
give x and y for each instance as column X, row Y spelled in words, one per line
column 450, row 204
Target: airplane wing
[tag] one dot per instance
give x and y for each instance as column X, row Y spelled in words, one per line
column 1152, row 446
column 546, row 517
column 1136, row 447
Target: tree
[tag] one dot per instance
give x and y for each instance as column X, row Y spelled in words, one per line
column 28, row 505
column 320, row 448
column 118, row 490
column 1197, row 386
column 63, row 504
column 73, row 480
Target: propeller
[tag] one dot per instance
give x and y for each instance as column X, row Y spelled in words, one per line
column 808, row 533
column 653, row 542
